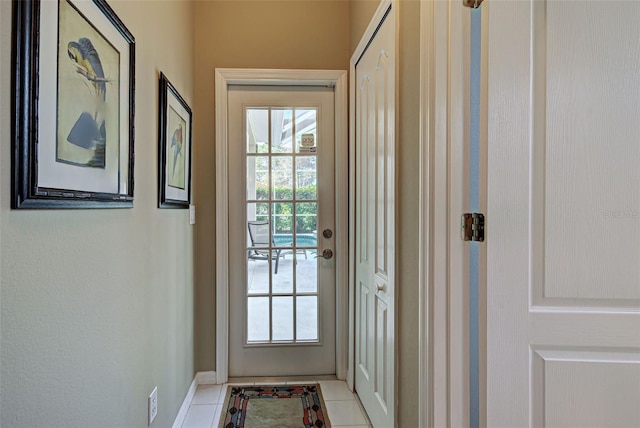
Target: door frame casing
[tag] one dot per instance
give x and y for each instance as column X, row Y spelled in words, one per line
column 225, row 77
column 444, row 184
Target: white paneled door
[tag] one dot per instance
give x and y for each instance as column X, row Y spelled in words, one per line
column 374, row 225
column 282, row 280
column 563, row 216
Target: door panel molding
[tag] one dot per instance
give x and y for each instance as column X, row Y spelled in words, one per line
column 224, row 77
column 373, row 69
column 562, row 306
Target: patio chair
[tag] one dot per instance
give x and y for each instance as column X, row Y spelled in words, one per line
column 259, row 233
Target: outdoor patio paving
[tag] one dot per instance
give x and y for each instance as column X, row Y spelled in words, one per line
column 306, row 273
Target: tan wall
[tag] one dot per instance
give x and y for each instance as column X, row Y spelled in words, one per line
column 361, row 12
column 248, row 34
column 407, row 187
column 407, row 219
column 97, row 305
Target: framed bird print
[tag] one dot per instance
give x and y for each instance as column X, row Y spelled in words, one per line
column 73, row 89
column 174, row 148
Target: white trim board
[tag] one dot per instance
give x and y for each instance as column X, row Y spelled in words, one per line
column 224, row 77
column 425, row 333
column 443, row 263
column 201, row 378
column 206, row 378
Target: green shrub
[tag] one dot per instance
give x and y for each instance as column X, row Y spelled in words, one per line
column 306, row 212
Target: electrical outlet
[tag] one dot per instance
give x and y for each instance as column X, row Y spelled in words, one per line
column 153, row 405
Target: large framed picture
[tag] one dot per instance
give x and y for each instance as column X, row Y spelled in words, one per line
column 73, row 112
column 174, row 148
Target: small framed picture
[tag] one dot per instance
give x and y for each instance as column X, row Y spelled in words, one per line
column 174, row 148
column 73, row 115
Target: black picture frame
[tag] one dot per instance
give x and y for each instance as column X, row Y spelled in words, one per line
column 174, row 147
column 57, row 71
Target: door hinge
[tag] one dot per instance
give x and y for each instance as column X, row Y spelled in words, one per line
column 474, row 4
column 472, row 227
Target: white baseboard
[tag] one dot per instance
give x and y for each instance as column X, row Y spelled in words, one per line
column 206, row 378
column 201, row 378
column 182, row 413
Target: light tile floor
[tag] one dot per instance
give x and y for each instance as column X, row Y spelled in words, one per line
column 343, row 407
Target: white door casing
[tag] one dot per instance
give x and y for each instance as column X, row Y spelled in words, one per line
column 224, row 78
column 373, row 213
column 443, row 338
column 281, row 357
column 563, row 214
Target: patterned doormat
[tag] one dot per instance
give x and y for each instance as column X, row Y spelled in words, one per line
column 281, row 406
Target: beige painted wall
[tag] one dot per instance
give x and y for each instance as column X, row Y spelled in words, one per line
column 248, row 34
column 407, row 187
column 97, row 305
column 360, row 14
column 408, row 222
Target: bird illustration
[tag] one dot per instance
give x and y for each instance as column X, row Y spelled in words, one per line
column 90, row 132
column 176, row 145
column 88, row 64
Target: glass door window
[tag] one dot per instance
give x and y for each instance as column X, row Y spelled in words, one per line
column 282, row 298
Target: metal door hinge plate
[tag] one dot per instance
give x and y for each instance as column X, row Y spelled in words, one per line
column 474, row 4
column 472, row 227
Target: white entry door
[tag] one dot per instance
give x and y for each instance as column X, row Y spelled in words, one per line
column 281, row 222
column 374, row 225
column 563, row 216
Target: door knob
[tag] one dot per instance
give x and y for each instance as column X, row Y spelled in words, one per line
column 326, row 254
column 327, row 233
